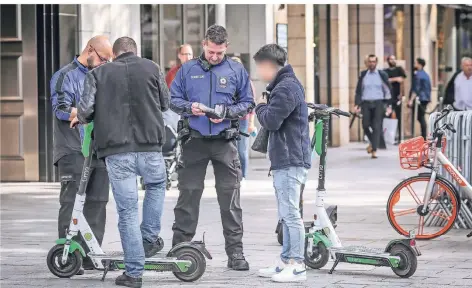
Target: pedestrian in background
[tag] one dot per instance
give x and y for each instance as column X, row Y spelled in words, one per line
column 373, row 98
column 246, row 125
column 285, row 116
column 421, row 88
column 396, row 76
column 459, row 88
column 125, row 99
column 67, row 86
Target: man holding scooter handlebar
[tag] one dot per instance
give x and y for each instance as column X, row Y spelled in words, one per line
column 128, row 134
column 285, row 117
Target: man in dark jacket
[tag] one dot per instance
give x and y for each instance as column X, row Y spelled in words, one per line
column 211, row 79
column 285, row 116
column 125, row 99
column 67, row 86
column 372, row 97
column 421, row 88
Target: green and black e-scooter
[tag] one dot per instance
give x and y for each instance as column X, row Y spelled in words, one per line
column 186, row 260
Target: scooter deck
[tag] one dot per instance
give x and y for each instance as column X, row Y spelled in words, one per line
column 362, row 255
column 119, row 256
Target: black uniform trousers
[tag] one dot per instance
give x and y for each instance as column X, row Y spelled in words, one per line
column 372, row 117
column 196, row 153
column 96, row 199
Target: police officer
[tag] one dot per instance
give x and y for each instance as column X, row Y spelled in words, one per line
column 211, row 79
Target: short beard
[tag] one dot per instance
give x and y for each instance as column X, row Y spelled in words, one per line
column 391, row 65
column 90, row 63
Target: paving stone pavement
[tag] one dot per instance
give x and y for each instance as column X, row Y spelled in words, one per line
column 357, row 184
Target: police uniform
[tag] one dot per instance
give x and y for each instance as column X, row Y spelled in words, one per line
column 198, row 81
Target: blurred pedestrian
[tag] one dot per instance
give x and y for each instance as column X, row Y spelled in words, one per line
column 372, row 98
column 459, row 88
column 396, row 76
column 421, row 88
column 246, row 125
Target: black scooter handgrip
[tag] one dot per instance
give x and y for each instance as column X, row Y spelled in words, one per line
column 342, row 113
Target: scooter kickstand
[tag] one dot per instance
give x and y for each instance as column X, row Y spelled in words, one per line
column 469, row 235
column 334, row 266
column 106, row 268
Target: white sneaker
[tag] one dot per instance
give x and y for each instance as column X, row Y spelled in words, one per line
column 291, row 273
column 271, row 271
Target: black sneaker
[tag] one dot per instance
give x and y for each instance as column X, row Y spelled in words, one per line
column 125, row 280
column 151, row 249
column 238, row 262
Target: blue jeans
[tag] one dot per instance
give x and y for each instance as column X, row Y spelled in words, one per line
column 287, row 184
column 243, row 145
column 122, row 171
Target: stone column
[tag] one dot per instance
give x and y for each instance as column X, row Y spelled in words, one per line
column 338, row 67
column 300, row 45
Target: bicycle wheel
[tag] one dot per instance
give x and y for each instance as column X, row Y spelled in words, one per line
column 405, row 205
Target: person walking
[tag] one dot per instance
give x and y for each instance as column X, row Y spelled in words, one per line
column 285, row 116
column 211, row 79
column 372, row 98
column 396, row 76
column 246, row 125
column 129, row 133
column 67, row 86
column 421, row 88
column 459, row 88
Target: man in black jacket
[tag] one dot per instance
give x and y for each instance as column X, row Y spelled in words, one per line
column 125, row 99
column 372, row 96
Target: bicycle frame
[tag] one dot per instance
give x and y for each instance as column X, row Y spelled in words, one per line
column 441, row 159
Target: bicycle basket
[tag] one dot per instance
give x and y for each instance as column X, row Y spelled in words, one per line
column 412, row 153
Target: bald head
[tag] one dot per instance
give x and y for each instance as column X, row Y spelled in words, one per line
column 98, row 51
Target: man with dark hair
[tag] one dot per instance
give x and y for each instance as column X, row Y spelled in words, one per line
column 125, row 99
column 372, row 96
column 67, row 86
column 421, row 88
column 285, row 116
column 211, row 79
column 396, row 76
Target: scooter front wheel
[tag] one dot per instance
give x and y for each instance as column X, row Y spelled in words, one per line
column 196, row 269
column 72, row 266
column 319, row 256
column 408, row 262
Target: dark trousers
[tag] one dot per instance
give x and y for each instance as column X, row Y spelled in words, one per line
column 398, row 114
column 96, row 199
column 372, row 117
column 196, row 154
column 421, row 117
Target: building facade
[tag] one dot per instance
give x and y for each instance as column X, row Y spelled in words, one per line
column 326, row 45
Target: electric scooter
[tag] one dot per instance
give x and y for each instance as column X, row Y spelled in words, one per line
column 321, row 240
column 185, row 260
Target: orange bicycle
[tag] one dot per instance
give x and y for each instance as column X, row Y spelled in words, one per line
column 434, row 212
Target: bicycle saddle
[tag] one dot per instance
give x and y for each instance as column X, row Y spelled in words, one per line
column 219, row 112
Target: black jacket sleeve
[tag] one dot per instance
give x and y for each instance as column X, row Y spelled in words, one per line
column 449, row 96
column 86, row 110
column 164, row 94
column 358, row 98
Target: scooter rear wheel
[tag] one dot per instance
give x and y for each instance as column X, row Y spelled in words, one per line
column 408, row 261
column 74, row 262
column 198, row 267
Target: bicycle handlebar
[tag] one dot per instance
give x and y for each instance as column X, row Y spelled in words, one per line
column 444, row 113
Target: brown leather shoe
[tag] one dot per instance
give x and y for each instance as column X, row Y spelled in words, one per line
column 369, row 149
column 374, row 156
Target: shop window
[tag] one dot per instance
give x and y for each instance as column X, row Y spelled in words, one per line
column 150, row 32
column 394, row 22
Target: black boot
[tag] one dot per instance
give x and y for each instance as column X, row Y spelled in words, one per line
column 151, row 249
column 238, row 262
column 125, row 280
